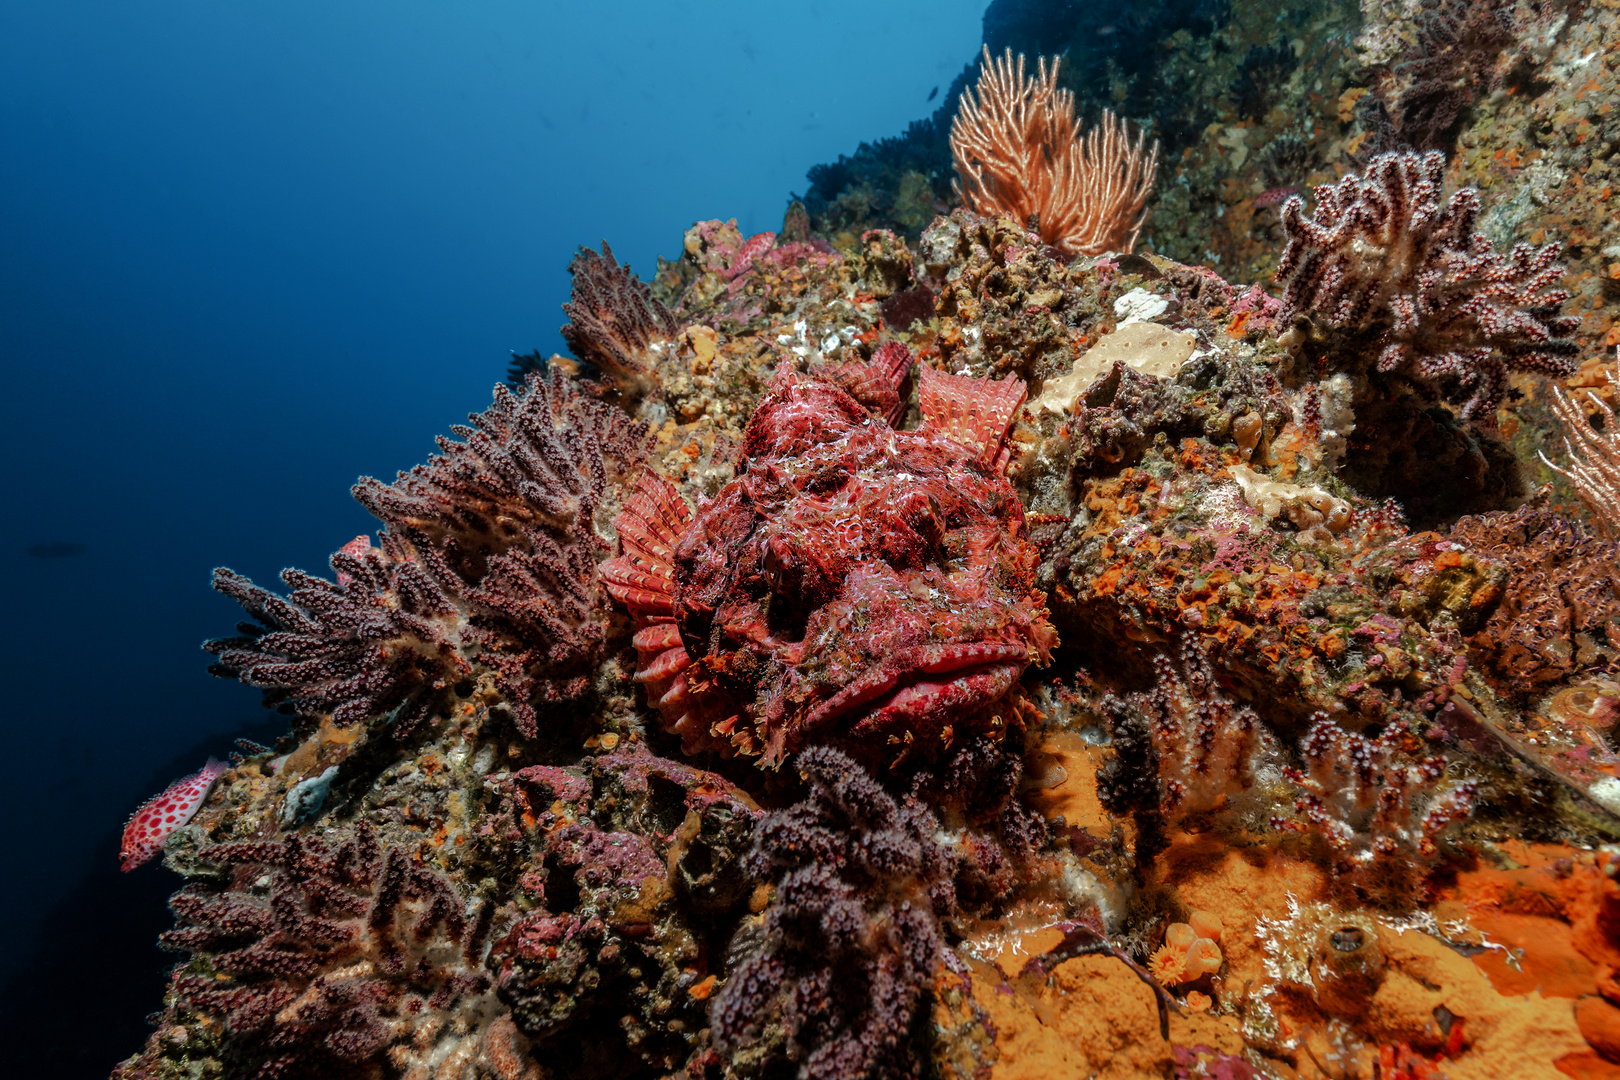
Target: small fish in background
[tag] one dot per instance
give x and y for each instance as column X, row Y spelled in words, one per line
column 57, row 549
column 932, row 94
column 161, row 815
column 1272, row 197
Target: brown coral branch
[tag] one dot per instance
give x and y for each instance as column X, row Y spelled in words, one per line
column 1019, row 152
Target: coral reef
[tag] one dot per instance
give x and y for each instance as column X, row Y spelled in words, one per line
column 1321, row 780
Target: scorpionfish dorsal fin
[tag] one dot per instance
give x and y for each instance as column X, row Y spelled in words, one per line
column 642, row 577
column 974, row 412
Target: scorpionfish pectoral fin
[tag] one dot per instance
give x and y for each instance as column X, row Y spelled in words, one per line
column 974, row 412
column 642, row 577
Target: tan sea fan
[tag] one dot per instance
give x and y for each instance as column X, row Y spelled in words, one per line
column 1594, row 455
column 1019, row 152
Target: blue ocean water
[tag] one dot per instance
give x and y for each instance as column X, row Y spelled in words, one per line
column 250, row 252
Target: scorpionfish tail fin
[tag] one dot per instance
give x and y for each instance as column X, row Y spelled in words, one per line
column 974, row 412
column 642, row 577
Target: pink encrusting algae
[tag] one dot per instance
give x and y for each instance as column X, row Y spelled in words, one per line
column 158, row 818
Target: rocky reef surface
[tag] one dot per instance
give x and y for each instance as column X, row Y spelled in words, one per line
column 913, row 651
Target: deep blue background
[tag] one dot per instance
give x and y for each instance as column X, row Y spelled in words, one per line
column 251, row 251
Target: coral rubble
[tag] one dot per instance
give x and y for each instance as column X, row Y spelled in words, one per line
column 894, row 645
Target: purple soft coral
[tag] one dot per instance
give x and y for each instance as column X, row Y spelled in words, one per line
column 489, row 559
column 1384, row 251
column 384, row 639
column 322, row 958
column 850, row 945
column 614, row 322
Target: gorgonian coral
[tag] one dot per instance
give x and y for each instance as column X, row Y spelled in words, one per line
column 854, row 584
column 489, row 559
column 1592, row 443
column 1019, row 152
column 1377, row 807
column 614, row 321
column 331, row 957
column 1384, row 253
column 837, row 977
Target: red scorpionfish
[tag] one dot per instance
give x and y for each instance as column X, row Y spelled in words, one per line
column 855, row 584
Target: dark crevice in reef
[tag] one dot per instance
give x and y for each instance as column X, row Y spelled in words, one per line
column 1437, row 468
